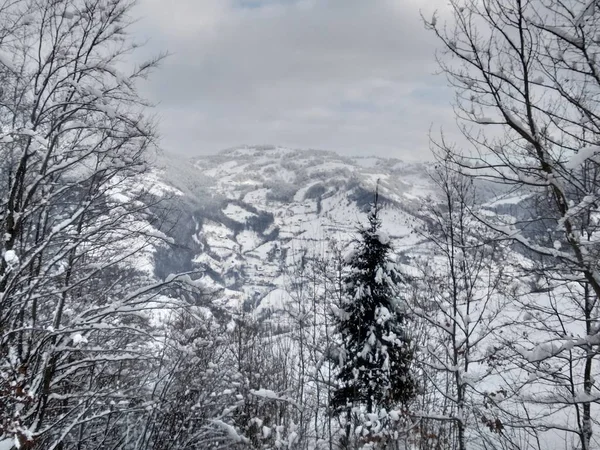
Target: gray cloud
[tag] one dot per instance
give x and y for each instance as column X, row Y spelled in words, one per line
column 354, row 76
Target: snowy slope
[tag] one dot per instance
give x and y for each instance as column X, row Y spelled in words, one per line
column 251, row 212
column 247, row 216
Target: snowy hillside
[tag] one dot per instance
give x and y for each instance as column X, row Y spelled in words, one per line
column 250, row 212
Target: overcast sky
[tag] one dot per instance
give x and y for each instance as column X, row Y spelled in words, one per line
column 354, row 76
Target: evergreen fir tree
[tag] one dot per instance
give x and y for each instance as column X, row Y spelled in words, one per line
column 376, row 351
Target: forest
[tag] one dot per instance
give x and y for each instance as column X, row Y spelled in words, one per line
column 486, row 337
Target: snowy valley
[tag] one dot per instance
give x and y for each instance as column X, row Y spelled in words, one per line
column 252, row 212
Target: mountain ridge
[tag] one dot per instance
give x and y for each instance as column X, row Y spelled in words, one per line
column 248, row 213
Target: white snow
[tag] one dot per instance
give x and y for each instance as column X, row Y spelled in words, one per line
column 582, row 156
column 265, row 393
column 237, row 213
column 539, row 353
column 575, row 210
column 77, row 339
column 230, row 431
column 514, row 121
column 300, row 224
column 11, row 258
column 106, row 109
column 7, row 61
column 509, row 200
column 274, row 301
column 384, row 237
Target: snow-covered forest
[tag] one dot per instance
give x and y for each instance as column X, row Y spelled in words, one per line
column 267, row 298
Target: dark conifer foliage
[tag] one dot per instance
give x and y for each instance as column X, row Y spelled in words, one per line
column 377, row 354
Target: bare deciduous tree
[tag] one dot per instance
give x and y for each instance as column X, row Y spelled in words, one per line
column 77, row 297
column 527, row 83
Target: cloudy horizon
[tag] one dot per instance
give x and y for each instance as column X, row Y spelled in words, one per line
column 349, row 76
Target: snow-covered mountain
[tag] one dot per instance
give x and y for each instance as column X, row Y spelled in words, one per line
column 246, row 215
column 245, row 218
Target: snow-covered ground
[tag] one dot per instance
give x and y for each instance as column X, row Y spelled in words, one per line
column 286, row 202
